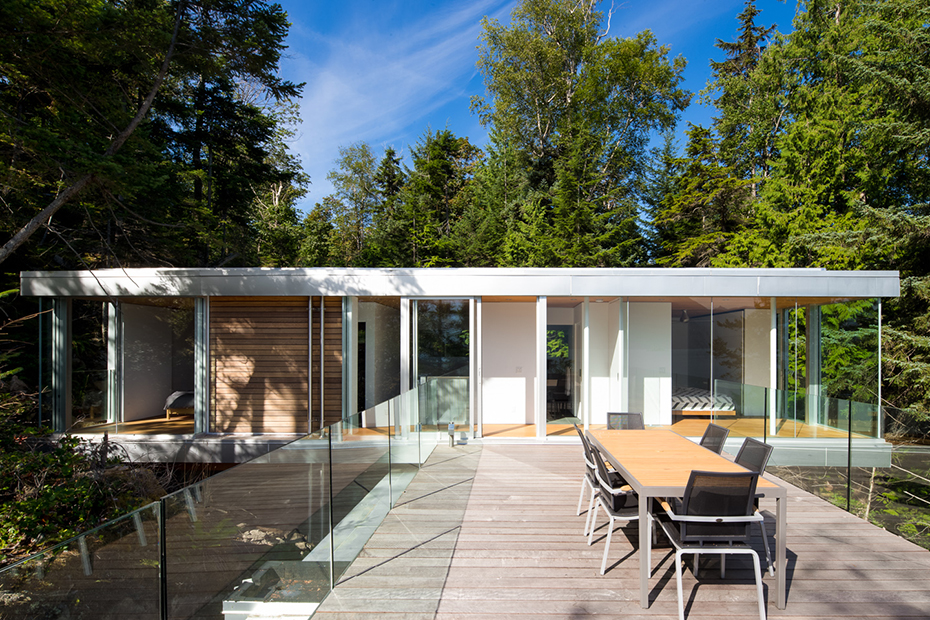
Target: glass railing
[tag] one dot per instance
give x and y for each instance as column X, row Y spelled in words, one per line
column 444, row 401
column 754, row 411
column 269, row 537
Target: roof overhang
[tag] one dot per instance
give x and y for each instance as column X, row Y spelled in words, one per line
column 464, row 282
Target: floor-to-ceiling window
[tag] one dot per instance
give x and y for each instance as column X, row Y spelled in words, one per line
column 441, row 358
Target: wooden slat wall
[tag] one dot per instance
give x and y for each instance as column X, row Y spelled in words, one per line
column 332, row 360
column 258, row 356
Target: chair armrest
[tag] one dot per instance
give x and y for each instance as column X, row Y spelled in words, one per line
column 756, row 516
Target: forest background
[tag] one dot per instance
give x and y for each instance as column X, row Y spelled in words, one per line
column 149, row 133
column 155, row 133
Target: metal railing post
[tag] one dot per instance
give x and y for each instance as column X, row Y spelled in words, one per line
column 162, row 560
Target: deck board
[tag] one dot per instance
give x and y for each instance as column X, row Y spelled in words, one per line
column 488, row 532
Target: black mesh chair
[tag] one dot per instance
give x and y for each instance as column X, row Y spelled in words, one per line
column 624, row 421
column 714, row 438
column 616, row 498
column 754, row 456
column 588, row 480
column 714, row 517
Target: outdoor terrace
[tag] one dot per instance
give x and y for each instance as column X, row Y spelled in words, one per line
column 490, row 531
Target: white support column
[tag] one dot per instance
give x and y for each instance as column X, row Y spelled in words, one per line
column 349, row 357
column 61, row 364
column 114, row 393
column 880, row 430
column 773, row 368
column 625, row 356
column 540, row 379
column 202, row 365
column 474, row 357
column 586, row 365
column 404, row 345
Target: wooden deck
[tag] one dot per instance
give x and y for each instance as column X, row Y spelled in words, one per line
column 487, row 533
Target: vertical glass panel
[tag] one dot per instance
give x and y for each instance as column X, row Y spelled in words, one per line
column 89, row 364
column 792, row 354
column 443, row 363
column 692, row 394
column 405, row 447
column 109, row 572
column 361, row 488
column 742, row 363
column 560, row 378
column 379, row 350
column 849, row 360
column 158, row 366
column 248, row 535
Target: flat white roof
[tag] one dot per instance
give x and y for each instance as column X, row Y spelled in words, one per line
column 462, row 282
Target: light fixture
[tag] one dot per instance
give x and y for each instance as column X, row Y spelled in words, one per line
column 684, row 318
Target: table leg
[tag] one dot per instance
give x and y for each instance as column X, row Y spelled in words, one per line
column 781, row 553
column 645, row 551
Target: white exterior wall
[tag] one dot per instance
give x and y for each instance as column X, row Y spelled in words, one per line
column 508, row 363
column 147, row 336
column 650, row 356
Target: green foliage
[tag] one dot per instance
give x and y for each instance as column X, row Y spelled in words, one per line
column 352, row 205
column 78, row 75
column 707, row 207
column 54, row 488
column 578, row 106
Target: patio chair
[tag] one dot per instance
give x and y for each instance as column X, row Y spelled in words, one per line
column 754, row 456
column 714, row 438
column 618, row 501
column 624, row 421
column 713, row 517
column 589, row 479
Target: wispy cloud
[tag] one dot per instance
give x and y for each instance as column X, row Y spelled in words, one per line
column 367, row 80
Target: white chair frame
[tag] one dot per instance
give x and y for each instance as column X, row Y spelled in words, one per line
column 682, row 548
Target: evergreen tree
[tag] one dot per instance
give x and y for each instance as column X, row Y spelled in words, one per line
column 706, row 210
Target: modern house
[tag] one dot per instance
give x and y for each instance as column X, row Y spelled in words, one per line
column 201, row 358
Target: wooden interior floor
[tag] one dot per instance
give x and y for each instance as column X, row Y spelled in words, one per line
column 492, row 532
column 691, row 427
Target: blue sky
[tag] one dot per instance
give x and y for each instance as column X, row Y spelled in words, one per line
column 384, row 71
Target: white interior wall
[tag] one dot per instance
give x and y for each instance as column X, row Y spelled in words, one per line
column 508, row 361
column 599, row 370
column 650, row 361
column 757, row 353
column 147, row 336
column 615, row 354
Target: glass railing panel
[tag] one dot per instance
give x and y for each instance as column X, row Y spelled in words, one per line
column 361, row 488
column 108, row 572
column 231, row 538
column 405, row 448
column 743, row 409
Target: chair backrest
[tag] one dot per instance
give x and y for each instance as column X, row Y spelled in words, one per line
column 714, row 438
column 754, row 455
column 589, row 460
column 718, row 494
column 601, row 468
column 624, row 421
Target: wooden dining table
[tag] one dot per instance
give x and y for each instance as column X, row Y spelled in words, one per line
column 658, row 463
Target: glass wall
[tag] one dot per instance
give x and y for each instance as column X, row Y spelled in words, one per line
column 377, row 357
column 442, row 359
column 89, row 377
